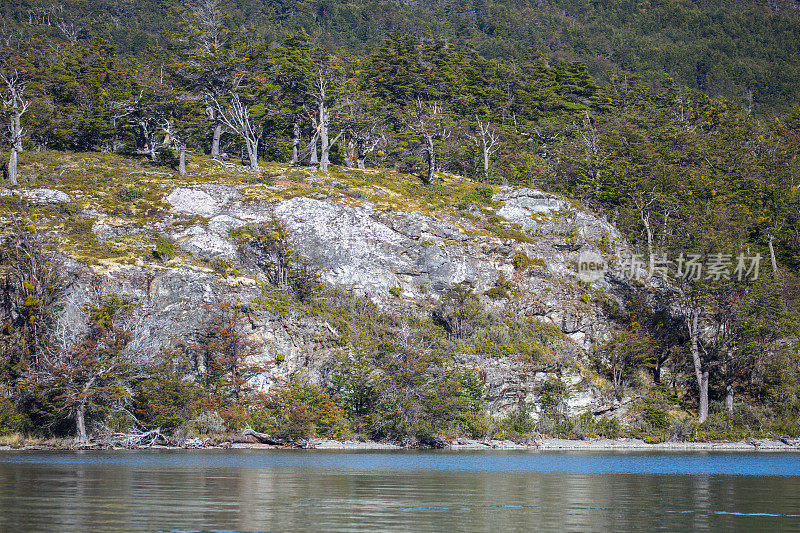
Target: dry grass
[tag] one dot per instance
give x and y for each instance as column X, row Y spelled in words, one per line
column 132, row 191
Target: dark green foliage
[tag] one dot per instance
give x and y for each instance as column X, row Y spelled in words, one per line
column 518, row 426
column 164, row 249
column 551, row 394
column 167, row 398
column 614, row 105
column 11, row 419
column 299, row 410
column 271, row 249
column 460, row 310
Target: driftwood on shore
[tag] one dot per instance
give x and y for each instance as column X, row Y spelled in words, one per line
column 433, row 442
column 789, row 441
column 263, row 438
column 145, row 439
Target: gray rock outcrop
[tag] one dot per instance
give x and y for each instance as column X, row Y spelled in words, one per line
column 398, row 260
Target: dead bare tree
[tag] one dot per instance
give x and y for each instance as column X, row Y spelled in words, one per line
column 428, row 120
column 96, row 371
column 322, row 119
column 32, row 285
column 236, row 117
column 487, row 140
column 207, row 22
column 146, row 439
column 147, row 120
column 16, row 105
column 70, row 29
column 594, row 157
column 643, row 202
column 363, row 141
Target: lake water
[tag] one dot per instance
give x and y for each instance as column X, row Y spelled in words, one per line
column 287, row 490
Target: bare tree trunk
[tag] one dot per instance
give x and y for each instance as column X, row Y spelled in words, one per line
column 296, row 143
column 361, row 162
column 323, row 137
column 350, row 160
column 13, row 100
column 700, row 373
column 252, row 154
column 325, row 143
column 660, row 359
column 168, row 138
column 12, row 166
column 216, row 139
column 617, row 369
column 16, row 125
column 314, row 157
column 236, row 117
column 649, row 234
column 431, row 156
column 80, row 423
column 772, row 257
column 643, row 207
column 486, row 139
column 182, row 160
column 729, row 380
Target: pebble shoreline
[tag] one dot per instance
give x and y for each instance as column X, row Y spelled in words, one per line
column 546, row 444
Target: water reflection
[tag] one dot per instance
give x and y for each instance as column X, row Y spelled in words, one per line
column 313, row 491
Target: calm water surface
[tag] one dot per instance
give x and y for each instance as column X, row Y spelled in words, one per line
column 268, row 490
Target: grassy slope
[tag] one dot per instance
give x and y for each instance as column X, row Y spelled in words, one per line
column 130, row 191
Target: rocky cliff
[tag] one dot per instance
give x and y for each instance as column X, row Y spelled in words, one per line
column 373, row 234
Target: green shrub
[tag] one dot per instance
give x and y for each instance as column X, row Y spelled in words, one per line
column 165, row 401
column 476, row 426
column 497, row 293
column 587, row 425
column 521, row 261
column 460, row 310
column 80, row 227
column 509, row 234
column 609, row 428
column 683, row 428
column 271, row 249
column 481, row 195
column 224, row 268
column 167, row 157
column 129, row 194
column 206, row 423
column 651, row 417
column 605, row 244
column 517, row 425
column 300, row 410
column 11, row 420
column 551, row 393
column 164, row 249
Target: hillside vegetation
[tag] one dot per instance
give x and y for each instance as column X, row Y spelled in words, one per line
column 434, row 126
column 747, row 51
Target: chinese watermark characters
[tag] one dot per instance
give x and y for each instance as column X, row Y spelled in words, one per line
column 689, row 267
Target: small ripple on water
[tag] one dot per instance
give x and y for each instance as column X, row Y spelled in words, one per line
column 249, row 492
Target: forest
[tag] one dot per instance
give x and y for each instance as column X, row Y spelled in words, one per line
column 746, row 51
column 688, row 145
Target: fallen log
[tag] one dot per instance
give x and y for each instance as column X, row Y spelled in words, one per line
column 263, row 438
column 789, row 441
column 433, row 442
column 140, row 440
